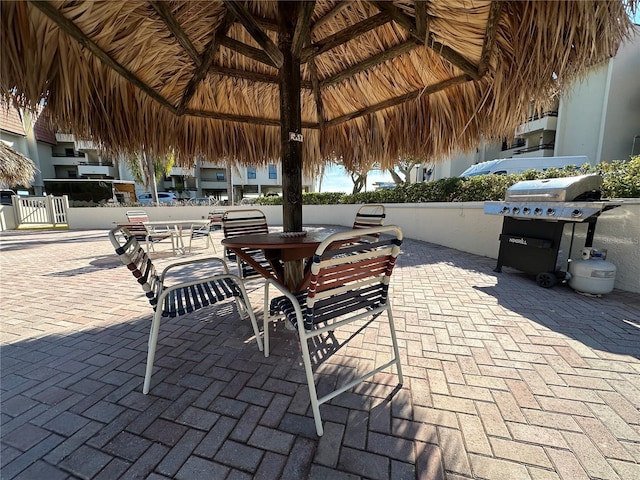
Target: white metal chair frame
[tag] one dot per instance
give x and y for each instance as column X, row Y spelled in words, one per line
column 150, row 235
column 245, row 222
column 202, row 231
column 182, row 297
column 349, row 282
column 368, row 216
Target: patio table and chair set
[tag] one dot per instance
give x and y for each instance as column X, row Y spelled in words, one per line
column 315, row 282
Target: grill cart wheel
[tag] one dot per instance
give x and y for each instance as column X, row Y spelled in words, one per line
column 546, row 279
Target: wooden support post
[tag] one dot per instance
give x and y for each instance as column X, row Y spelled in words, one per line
column 290, row 119
column 290, row 131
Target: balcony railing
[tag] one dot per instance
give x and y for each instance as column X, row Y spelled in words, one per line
column 97, row 164
column 519, row 142
column 68, row 154
column 544, row 146
column 550, row 113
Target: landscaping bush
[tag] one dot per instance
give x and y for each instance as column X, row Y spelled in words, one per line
column 620, row 180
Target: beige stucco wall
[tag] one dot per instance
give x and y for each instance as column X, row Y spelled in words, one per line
column 462, row 226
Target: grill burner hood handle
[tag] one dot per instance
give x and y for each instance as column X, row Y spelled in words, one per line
column 532, row 197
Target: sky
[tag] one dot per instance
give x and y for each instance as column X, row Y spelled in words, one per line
column 336, row 179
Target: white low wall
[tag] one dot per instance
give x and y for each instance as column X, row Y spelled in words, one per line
column 462, row 226
column 7, row 218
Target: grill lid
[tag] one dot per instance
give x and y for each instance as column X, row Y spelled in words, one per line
column 564, row 189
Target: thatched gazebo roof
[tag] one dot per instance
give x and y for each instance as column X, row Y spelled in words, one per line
column 379, row 79
column 15, row 168
column 358, row 79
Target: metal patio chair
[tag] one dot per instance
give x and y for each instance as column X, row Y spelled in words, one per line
column 183, row 297
column 147, row 234
column 368, row 216
column 202, row 232
column 349, row 282
column 247, row 221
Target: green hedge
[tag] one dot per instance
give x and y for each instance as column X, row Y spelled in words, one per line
column 620, row 180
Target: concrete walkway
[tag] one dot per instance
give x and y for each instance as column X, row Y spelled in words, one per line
column 503, row 379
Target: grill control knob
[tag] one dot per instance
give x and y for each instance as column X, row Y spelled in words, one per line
column 550, row 212
column 537, row 211
column 526, row 210
column 576, row 213
column 504, row 210
column 515, row 210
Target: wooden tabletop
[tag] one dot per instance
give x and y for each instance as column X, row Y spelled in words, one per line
column 285, row 253
column 273, row 241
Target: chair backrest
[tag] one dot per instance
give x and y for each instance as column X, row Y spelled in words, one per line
column 137, row 216
column 369, row 215
column 244, row 222
column 137, row 261
column 349, row 277
column 137, row 230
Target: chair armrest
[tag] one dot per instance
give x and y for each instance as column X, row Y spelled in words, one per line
column 285, row 292
column 191, row 262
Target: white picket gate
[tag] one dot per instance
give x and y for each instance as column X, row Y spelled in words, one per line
column 41, row 211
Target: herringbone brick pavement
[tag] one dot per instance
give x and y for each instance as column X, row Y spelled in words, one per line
column 503, row 379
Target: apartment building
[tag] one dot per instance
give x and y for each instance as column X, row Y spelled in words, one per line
column 210, row 179
column 62, row 158
column 599, row 117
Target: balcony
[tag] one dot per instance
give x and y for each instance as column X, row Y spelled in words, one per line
column 85, row 145
column 65, row 138
column 212, row 183
column 543, row 150
column 548, row 121
column 181, row 172
column 93, row 169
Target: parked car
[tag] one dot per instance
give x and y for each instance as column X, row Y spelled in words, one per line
column 505, row 166
column 5, row 196
column 163, row 197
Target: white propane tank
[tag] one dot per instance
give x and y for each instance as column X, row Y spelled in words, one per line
column 595, row 276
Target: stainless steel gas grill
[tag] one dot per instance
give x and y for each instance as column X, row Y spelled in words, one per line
column 535, row 212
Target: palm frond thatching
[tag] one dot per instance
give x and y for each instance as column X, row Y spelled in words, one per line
column 378, row 79
column 15, row 168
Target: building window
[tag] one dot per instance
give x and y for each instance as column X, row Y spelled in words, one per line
column 69, row 152
column 273, row 173
column 251, row 172
column 220, row 176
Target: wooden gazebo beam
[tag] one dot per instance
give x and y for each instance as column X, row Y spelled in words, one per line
column 255, row 30
column 444, row 51
column 422, row 20
column 392, row 102
column 372, row 61
column 205, row 63
column 71, row 29
column 343, row 36
column 164, row 12
column 302, row 32
column 490, row 36
column 340, row 6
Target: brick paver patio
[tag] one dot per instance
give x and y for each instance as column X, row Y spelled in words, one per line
column 503, row 379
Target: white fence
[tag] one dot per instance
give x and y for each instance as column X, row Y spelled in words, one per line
column 49, row 211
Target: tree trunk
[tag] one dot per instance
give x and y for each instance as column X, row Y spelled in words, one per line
column 229, row 185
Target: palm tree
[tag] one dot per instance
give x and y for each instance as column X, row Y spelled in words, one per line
column 148, row 171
